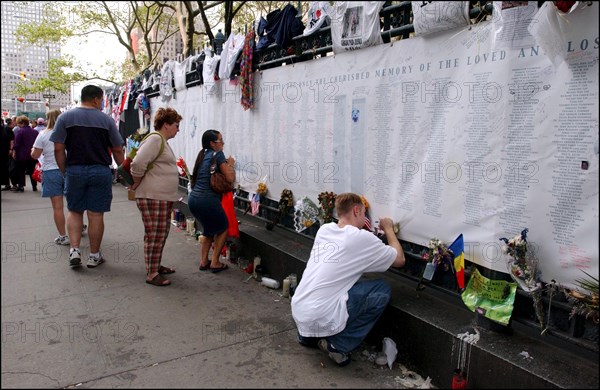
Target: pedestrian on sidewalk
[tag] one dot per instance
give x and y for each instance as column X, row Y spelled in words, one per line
column 53, row 182
column 205, row 204
column 41, row 125
column 155, row 182
column 82, row 138
column 6, row 147
column 332, row 309
column 25, row 165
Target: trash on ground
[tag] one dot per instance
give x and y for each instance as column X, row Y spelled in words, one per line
column 411, row 380
column 390, row 351
column 526, row 355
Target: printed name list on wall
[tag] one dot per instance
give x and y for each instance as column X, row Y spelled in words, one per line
column 450, row 133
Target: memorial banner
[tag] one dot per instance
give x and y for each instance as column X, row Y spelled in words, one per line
column 455, row 132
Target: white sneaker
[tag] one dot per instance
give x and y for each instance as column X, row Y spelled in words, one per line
column 62, row 240
column 83, row 229
column 75, row 258
column 342, row 359
column 93, row 262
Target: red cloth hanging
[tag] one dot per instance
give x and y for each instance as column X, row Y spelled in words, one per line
column 227, row 203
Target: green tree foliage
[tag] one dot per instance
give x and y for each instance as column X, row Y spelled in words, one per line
column 58, row 78
column 152, row 21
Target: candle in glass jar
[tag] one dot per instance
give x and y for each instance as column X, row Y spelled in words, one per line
column 286, row 287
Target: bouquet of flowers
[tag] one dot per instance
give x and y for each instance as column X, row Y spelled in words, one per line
column 438, row 254
column 522, row 267
column 365, row 202
column 585, row 303
column 139, row 134
column 261, row 191
column 327, row 202
column 183, row 169
column 286, row 203
column 133, row 141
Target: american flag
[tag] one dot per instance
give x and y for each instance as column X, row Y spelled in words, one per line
column 368, row 225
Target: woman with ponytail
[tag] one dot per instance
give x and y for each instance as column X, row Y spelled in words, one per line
column 205, row 204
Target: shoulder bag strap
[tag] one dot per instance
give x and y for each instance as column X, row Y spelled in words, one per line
column 162, row 148
column 213, row 163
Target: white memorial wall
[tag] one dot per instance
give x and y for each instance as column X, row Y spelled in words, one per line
column 456, row 132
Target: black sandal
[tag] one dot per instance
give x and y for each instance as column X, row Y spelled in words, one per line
column 223, row 267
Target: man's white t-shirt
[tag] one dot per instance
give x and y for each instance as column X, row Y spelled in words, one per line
column 43, row 142
column 338, row 259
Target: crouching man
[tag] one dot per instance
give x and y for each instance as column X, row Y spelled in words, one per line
column 332, row 309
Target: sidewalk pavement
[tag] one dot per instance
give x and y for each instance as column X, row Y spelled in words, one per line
column 105, row 327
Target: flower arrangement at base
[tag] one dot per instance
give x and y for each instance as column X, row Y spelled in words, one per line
column 368, row 225
column 365, row 202
column 584, row 303
column 327, row 202
column 261, row 191
column 522, row 267
column 286, row 203
column 522, row 264
column 438, row 254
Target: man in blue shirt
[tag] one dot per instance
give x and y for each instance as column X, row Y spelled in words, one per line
column 83, row 138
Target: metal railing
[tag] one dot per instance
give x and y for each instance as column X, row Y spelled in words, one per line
column 396, row 21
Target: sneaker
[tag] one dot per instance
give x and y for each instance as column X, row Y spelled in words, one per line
column 62, row 240
column 83, row 229
column 75, row 258
column 93, row 262
column 342, row 359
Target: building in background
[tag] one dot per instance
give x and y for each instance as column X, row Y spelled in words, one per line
column 28, row 61
column 172, row 47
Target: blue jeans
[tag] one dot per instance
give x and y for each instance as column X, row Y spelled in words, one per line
column 367, row 299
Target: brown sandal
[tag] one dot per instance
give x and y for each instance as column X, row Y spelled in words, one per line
column 159, row 280
column 165, row 270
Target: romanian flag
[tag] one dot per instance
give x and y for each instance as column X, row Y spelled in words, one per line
column 458, row 248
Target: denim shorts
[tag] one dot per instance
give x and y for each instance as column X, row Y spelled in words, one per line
column 88, row 187
column 53, row 183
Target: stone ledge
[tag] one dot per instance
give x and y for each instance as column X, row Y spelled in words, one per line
column 424, row 326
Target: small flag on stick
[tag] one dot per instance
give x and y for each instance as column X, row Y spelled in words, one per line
column 458, row 248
